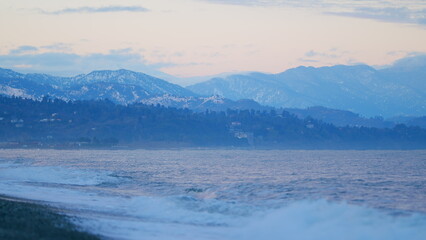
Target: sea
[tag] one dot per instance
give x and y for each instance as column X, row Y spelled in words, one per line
column 222, row 194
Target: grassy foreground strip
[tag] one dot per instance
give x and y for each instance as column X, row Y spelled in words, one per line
column 21, row 220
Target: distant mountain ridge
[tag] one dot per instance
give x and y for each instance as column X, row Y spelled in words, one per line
column 342, row 118
column 126, row 87
column 21, row 85
column 396, row 90
column 121, row 86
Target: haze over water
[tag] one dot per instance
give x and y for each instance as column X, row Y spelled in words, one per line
column 227, row 194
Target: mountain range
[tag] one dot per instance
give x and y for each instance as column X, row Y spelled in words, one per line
column 399, row 89
column 121, row 86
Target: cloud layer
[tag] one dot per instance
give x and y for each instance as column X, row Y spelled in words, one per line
column 97, row 10
column 29, row 59
column 410, row 11
column 402, row 14
column 23, row 49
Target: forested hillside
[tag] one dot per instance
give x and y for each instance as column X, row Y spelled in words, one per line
column 53, row 122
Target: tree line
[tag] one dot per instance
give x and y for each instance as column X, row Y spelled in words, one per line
column 103, row 123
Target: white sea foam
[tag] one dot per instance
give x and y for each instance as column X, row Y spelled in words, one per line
column 173, row 218
column 317, row 220
column 192, row 217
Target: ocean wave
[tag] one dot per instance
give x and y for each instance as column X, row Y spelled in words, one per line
column 197, row 213
column 322, row 220
column 164, row 218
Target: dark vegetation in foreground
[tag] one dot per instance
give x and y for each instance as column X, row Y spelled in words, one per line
column 20, row 220
column 56, row 123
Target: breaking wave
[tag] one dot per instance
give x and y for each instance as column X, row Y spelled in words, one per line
column 189, row 216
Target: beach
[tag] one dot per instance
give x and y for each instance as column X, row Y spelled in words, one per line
column 20, row 219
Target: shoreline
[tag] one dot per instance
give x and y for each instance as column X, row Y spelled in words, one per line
column 248, row 148
column 25, row 219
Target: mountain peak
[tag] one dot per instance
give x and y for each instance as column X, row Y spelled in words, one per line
column 119, row 71
column 121, row 76
column 112, row 73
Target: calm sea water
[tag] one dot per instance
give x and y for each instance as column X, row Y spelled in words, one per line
column 227, row 194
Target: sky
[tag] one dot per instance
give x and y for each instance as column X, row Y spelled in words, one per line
column 186, row 39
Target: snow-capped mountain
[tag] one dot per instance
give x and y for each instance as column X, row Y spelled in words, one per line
column 23, row 85
column 151, row 85
column 362, row 89
column 398, row 90
column 121, row 86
